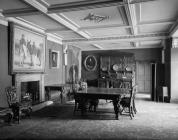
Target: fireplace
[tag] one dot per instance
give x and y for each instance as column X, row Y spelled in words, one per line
column 32, row 84
column 32, row 88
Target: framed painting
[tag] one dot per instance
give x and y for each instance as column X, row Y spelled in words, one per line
column 54, row 59
column 27, row 50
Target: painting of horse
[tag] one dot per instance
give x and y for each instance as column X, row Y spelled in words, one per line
column 28, row 49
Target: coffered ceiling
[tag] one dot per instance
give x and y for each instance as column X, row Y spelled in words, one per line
column 99, row 24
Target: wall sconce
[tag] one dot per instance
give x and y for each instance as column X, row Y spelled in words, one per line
column 65, row 54
column 65, row 58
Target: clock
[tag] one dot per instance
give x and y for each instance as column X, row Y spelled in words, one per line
column 90, row 63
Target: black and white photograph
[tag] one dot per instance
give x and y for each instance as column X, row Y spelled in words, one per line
column 89, row 69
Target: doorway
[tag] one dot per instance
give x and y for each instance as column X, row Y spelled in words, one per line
column 143, row 78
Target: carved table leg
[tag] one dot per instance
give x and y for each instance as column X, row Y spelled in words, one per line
column 83, row 105
column 116, row 104
column 116, row 109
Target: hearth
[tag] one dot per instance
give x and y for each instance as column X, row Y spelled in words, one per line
column 32, row 84
column 31, row 88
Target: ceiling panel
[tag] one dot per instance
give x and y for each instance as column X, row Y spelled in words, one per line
column 116, row 45
column 12, row 4
column 85, row 46
column 67, row 35
column 113, row 15
column 44, row 22
column 159, row 10
column 154, row 28
column 108, row 32
column 152, row 42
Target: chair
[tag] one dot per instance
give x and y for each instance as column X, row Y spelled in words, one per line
column 18, row 109
column 128, row 104
column 93, row 103
column 134, row 93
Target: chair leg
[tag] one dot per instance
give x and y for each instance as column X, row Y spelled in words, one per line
column 130, row 112
column 134, row 108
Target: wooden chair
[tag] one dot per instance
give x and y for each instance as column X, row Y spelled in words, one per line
column 134, row 90
column 93, row 103
column 128, row 104
column 18, row 109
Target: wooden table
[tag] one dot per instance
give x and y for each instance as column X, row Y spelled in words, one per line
column 114, row 94
column 58, row 87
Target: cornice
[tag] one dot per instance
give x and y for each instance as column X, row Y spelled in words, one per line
column 3, row 21
column 26, row 24
column 20, row 12
column 54, row 38
column 122, row 38
column 174, row 28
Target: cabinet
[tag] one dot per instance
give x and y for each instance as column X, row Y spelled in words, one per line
column 117, row 72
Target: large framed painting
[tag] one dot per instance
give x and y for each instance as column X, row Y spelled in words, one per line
column 27, row 50
column 54, row 59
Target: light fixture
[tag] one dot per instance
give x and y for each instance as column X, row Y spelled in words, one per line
column 95, row 18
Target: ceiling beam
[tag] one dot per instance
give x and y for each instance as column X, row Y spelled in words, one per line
column 83, row 5
column 112, row 26
column 89, row 28
column 68, row 25
column 156, row 23
column 20, row 12
column 131, row 16
column 174, row 28
column 125, row 38
column 65, row 7
column 37, row 5
column 141, row 1
column 97, row 46
column 56, row 17
column 54, row 30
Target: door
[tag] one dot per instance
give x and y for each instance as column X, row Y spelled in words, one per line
column 143, row 72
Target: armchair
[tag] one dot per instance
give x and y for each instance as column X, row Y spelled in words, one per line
column 18, row 109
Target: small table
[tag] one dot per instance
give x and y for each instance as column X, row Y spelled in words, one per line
column 114, row 94
column 59, row 87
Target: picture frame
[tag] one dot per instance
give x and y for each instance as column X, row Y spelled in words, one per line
column 27, row 50
column 90, row 63
column 54, row 59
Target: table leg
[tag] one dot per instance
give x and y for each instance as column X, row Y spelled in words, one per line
column 116, row 108
column 83, row 105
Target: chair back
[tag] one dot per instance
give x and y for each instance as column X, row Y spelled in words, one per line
column 11, row 95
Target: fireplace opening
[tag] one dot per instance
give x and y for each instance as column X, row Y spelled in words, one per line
column 31, row 87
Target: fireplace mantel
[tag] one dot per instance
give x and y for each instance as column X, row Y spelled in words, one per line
column 19, row 78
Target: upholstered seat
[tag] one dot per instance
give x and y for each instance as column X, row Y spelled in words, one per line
column 18, row 109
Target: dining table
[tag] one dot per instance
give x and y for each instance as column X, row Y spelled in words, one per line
column 113, row 94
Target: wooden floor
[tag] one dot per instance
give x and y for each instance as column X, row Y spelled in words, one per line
column 153, row 121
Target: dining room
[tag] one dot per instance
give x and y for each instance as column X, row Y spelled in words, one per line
column 100, row 69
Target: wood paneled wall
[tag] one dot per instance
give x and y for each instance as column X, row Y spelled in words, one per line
column 53, row 75
column 5, row 79
column 149, row 55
